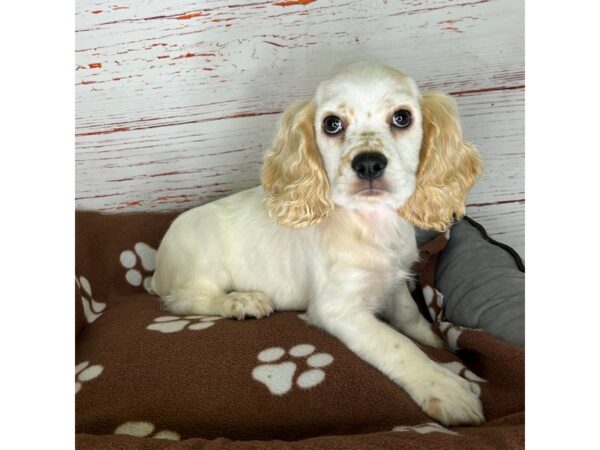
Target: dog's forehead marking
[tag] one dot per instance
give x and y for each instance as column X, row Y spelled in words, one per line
column 364, row 97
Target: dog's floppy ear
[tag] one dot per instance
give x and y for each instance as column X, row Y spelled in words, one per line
column 448, row 167
column 293, row 175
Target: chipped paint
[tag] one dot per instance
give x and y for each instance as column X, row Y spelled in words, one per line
column 182, row 198
column 97, row 133
column 192, row 55
column 168, row 124
column 190, row 15
column 294, row 2
column 130, row 204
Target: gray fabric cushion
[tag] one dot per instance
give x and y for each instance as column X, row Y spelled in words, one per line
column 483, row 283
column 424, row 236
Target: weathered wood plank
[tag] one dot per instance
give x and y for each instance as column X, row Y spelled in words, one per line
column 150, row 69
column 176, row 101
column 136, row 168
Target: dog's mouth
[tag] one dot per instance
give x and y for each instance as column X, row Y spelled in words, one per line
column 371, row 190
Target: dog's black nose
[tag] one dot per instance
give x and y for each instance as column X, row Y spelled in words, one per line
column 369, row 165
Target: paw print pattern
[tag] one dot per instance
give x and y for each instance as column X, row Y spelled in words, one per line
column 84, row 373
column 173, row 324
column 425, row 428
column 434, row 300
column 142, row 255
column 450, row 332
column 91, row 308
column 145, row 429
column 279, row 377
column 465, row 373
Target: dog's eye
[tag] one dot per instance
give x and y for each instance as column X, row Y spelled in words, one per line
column 401, row 118
column 332, row 125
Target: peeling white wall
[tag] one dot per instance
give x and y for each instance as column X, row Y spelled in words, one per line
column 176, row 101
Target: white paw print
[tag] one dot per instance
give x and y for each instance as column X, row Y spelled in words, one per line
column 434, row 300
column 91, row 308
column 426, row 428
column 279, row 377
column 172, row 324
column 129, row 260
column 145, row 429
column 451, row 334
column 84, row 373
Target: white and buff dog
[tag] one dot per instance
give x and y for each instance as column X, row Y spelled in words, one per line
column 330, row 229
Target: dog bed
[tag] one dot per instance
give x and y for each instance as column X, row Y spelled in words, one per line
column 148, row 379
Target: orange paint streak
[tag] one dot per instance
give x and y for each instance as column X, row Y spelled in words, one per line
column 208, row 68
column 98, row 11
column 119, row 7
column 294, row 2
column 87, row 82
column 95, row 65
column 163, row 56
column 127, row 204
column 177, row 198
column 191, row 55
column 190, row 15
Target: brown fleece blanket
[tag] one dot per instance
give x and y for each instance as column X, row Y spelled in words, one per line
column 148, row 379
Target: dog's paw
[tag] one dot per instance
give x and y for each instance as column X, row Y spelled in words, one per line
column 448, row 398
column 241, row 304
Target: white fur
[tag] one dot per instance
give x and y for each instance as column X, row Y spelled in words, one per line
column 230, row 258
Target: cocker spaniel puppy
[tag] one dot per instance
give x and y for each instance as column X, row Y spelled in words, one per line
column 330, row 230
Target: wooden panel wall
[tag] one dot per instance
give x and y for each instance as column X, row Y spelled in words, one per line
column 177, row 100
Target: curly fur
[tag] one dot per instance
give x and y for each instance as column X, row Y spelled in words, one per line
column 293, row 175
column 448, row 167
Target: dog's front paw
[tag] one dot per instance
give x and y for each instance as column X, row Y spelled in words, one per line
column 448, row 398
column 242, row 304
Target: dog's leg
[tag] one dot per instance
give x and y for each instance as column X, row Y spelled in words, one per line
column 403, row 313
column 212, row 302
column 442, row 394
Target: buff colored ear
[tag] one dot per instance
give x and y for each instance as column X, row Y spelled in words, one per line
column 293, row 174
column 448, row 167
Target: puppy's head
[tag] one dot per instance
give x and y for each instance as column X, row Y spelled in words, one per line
column 369, row 140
